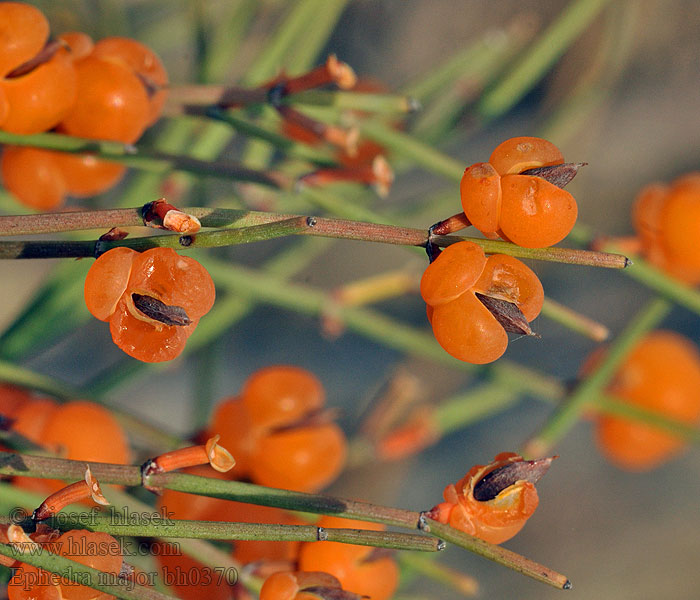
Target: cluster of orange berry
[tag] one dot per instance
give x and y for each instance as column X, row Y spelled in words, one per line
column 78, row 430
column 153, row 300
column 661, row 374
column 473, row 302
column 279, row 432
column 280, row 436
column 109, row 90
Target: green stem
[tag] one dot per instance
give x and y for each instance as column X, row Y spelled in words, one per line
column 574, row 321
column 455, row 580
column 459, row 411
column 231, row 531
column 545, row 51
column 565, row 416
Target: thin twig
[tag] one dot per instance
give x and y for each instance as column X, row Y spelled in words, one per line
column 238, row 219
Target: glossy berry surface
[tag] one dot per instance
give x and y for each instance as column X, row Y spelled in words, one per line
column 141, row 61
column 462, row 324
column 160, row 274
column 495, row 520
column 281, row 394
column 524, row 209
column 662, row 374
column 666, row 218
column 111, row 102
column 354, row 566
column 304, row 458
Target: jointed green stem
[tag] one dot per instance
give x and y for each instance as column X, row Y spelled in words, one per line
column 250, row 226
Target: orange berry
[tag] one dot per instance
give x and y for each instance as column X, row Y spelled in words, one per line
column 32, row 583
column 506, row 278
column 662, row 374
column 12, row 398
column 461, row 323
column 85, row 175
column 83, row 430
column 111, row 102
column 33, row 177
column 468, row 331
column 455, row 271
column 495, row 520
column 679, row 219
column 353, row 565
column 534, row 212
column 160, row 276
column 524, row 209
column 31, row 417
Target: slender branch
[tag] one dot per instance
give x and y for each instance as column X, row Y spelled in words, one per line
column 182, row 99
column 238, row 219
column 497, row 553
column 209, row 239
column 231, row 531
column 575, row 321
column 46, row 467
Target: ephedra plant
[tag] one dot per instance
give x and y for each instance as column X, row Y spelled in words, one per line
column 235, row 506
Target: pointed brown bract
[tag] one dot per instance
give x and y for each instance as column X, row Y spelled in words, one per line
column 559, row 175
column 507, row 314
column 159, row 311
column 499, row 479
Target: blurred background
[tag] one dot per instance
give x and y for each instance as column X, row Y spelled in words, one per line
column 625, row 97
